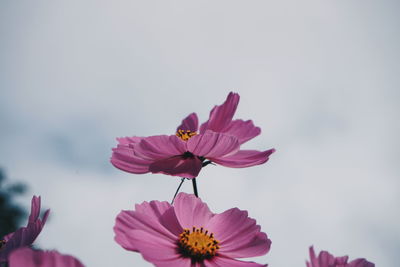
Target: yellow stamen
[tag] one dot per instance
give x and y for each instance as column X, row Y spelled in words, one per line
column 185, row 134
column 198, row 244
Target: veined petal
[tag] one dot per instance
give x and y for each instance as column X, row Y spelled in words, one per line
column 177, row 166
column 124, row 158
column 156, row 249
column 222, row 262
column 221, row 116
column 239, row 235
column 137, row 157
column 163, row 212
column 213, row 145
column 242, row 130
column 190, row 123
column 244, row 158
column 127, row 221
column 160, row 147
column 154, row 208
column 191, row 211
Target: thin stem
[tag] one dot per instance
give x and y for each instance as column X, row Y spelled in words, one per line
column 195, row 187
column 177, row 190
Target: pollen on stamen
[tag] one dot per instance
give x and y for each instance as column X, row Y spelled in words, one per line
column 197, row 244
column 185, row 134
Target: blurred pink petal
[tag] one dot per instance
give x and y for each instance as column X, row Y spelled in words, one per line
column 24, row 236
column 26, row 257
column 325, row 259
column 188, row 234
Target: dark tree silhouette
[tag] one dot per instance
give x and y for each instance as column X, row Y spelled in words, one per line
column 11, row 214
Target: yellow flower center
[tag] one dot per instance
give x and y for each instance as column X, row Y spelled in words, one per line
column 185, row 134
column 197, row 244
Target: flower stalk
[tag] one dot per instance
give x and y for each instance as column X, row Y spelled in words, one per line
column 195, row 187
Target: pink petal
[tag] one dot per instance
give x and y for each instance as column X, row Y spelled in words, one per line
column 191, row 211
column 325, row 259
column 213, row 145
column 26, row 257
column 244, row 158
column 35, row 209
column 313, row 258
column 179, row 262
column 190, row 123
column 177, row 166
column 129, row 140
column 222, row 262
column 221, row 116
column 137, row 157
column 242, row 130
column 128, row 221
column 157, row 250
column 160, row 147
column 341, row 260
column 361, row 263
column 153, row 208
column 124, row 158
column 162, row 212
column 238, row 234
column 25, row 236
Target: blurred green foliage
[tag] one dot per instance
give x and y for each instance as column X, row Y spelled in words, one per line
column 11, row 214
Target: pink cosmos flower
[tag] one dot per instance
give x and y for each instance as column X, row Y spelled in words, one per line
column 325, row 259
column 186, row 152
column 26, row 257
column 24, row 236
column 188, row 234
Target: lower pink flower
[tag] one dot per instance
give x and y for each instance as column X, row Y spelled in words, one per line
column 26, row 257
column 24, row 236
column 188, row 234
column 325, row 259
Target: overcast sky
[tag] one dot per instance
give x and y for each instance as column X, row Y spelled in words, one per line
column 321, row 78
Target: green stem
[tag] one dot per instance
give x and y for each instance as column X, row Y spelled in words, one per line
column 195, row 187
column 177, row 190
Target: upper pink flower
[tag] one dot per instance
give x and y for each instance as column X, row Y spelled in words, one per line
column 325, row 259
column 26, row 257
column 24, row 236
column 185, row 153
column 188, row 234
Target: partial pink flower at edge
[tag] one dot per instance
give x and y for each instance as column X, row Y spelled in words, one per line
column 325, row 259
column 188, row 234
column 26, row 257
column 24, row 236
column 186, row 152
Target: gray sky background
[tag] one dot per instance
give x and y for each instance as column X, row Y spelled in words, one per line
column 321, row 78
